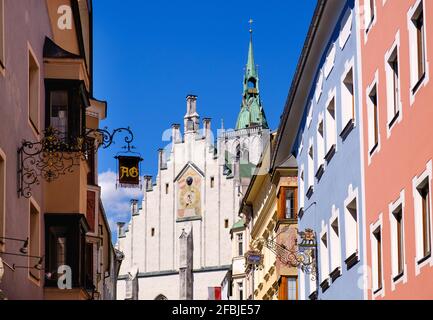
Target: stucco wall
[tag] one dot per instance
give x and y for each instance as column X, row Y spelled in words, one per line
column 26, row 25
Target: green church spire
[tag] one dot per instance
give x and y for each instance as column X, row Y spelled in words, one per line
column 252, row 113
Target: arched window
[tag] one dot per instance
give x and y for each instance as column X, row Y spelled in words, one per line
column 245, row 154
column 238, row 152
column 252, row 83
column 161, row 297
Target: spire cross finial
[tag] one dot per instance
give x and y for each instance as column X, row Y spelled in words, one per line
column 251, row 25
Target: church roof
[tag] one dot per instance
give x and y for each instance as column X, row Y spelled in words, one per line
column 238, row 225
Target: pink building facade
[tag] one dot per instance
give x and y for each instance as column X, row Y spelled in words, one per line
column 397, row 49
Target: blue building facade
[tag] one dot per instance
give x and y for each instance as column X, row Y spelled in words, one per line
column 328, row 150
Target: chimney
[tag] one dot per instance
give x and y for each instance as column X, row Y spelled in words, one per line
column 148, row 183
column 161, row 159
column 207, row 132
column 191, row 119
column 134, row 207
column 191, row 104
column 175, row 135
column 121, row 230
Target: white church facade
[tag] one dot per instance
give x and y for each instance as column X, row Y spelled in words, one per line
column 177, row 245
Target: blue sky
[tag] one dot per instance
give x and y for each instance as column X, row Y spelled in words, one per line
column 148, row 55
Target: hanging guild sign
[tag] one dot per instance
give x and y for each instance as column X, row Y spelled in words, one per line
column 254, row 258
column 129, row 171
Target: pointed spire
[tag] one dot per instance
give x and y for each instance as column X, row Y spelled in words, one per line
column 251, row 66
column 251, row 113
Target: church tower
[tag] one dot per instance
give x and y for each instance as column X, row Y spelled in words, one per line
column 252, row 113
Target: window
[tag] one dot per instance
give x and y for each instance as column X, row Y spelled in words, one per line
column 398, row 244
column 310, row 115
column 65, row 108
column 417, row 47
column 319, row 86
column 335, row 245
column 89, row 264
column 2, row 49
column 330, row 60
column 240, row 241
column 352, row 233
column 34, row 91
column 330, row 126
column 212, row 182
column 346, row 29
column 166, row 188
column 424, row 192
column 324, row 257
column 241, row 290
column 320, row 148
column 377, row 260
column 152, row 232
column 373, row 120
column 2, row 197
column 226, row 223
column 34, row 240
column 347, row 101
column 393, row 87
column 59, row 111
column 310, row 167
column 301, row 187
column 292, row 288
column 290, row 204
column 369, row 14
column 65, row 244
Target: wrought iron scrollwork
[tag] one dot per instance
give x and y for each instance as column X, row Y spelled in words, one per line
column 302, row 255
column 56, row 155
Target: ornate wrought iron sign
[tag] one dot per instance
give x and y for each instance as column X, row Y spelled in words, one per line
column 254, row 258
column 56, row 154
column 302, row 255
column 128, row 171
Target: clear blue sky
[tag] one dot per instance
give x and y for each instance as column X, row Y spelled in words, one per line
column 148, row 55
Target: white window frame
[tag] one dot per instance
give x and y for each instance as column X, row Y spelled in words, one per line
column 352, row 248
column 324, row 253
column 301, row 193
column 330, row 61
column 393, row 206
column 368, row 22
column 370, row 114
column 331, row 125
column 416, row 182
column 395, row 48
column 319, row 86
column 413, row 57
column 320, row 139
column 374, row 271
column 310, row 115
column 346, row 30
column 346, row 116
column 335, row 241
column 310, row 162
